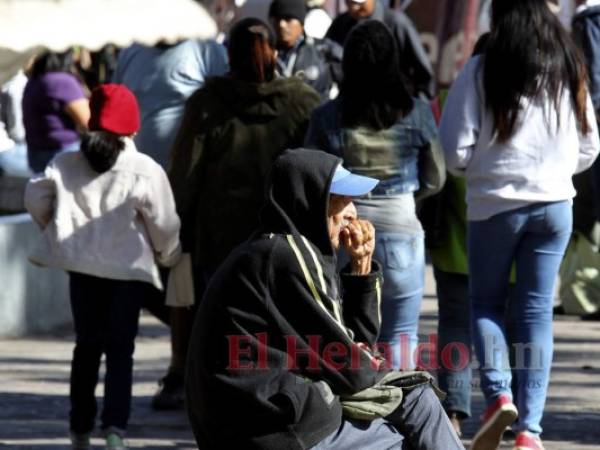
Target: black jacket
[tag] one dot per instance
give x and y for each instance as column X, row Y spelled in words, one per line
column 274, row 294
column 415, row 63
column 231, row 133
column 586, row 33
column 312, row 60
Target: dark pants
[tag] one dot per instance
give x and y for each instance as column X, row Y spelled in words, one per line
column 420, row 423
column 454, row 341
column 154, row 303
column 106, row 314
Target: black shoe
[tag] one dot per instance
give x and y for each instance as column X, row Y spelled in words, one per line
column 170, row 394
column 591, row 317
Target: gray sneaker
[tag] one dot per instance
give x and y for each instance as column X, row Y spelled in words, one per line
column 115, row 441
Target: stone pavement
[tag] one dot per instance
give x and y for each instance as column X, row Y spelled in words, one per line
column 34, row 389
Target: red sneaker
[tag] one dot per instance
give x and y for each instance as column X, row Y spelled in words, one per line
column 527, row 441
column 496, row 418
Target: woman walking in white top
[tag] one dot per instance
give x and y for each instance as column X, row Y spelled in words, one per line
column 108, row 216
column 518, row 123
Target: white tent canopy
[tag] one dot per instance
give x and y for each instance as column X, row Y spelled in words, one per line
column 27, row 26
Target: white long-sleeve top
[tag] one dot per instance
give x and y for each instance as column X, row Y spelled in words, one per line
column 115, row 225
column 535, row 165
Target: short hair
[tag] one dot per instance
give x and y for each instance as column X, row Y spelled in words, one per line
column 101, row 149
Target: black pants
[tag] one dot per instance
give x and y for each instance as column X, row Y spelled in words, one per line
column 106, row 314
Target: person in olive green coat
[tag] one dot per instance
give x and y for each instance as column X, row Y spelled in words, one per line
column 232, row 130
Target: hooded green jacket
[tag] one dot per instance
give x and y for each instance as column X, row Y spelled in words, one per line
column 231, row 133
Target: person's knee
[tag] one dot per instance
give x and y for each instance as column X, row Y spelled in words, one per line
column 424, row 395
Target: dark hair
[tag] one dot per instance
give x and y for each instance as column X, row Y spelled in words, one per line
column 529, row 54
column 482, row 44
column 101, row 149
column 52, row 62
column 252, row 51
column 373, row 92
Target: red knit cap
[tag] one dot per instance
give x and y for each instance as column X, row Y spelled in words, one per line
column 114, row 108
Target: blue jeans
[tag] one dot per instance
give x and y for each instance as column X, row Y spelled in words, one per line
column 535, row 238
column 454, row 340
column 402, row 256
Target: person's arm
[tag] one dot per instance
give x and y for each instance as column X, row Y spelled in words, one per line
column 361, row 282
column 157, row 209
column 460, row 123
column 589, row 144
column 186, row 167
column 40, row 197
column 431, row 164
column 362, row 303
column 79, row 111
column 432, row 170
column 67, row 89
column 308, row 306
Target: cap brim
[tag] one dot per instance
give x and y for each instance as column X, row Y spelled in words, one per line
column 353, row 185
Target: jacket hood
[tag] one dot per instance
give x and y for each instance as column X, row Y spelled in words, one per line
column 253, row 100
column 297, row 196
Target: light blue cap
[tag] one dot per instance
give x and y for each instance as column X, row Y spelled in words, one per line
column 351, row 185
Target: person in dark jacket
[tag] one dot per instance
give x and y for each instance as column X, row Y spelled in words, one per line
column 232, row 131
column 586, row 33
column 299, row 54
column 586, row 206
column 277, row 357
column 416, row 66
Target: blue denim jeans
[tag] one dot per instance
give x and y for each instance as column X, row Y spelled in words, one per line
column 535, row 238
column 402, row 256
column 454, row 340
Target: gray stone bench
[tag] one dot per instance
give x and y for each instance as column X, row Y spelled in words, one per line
column 11, row 193
column 32, row 299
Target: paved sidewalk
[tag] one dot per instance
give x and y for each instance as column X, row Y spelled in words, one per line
column 34, row 390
